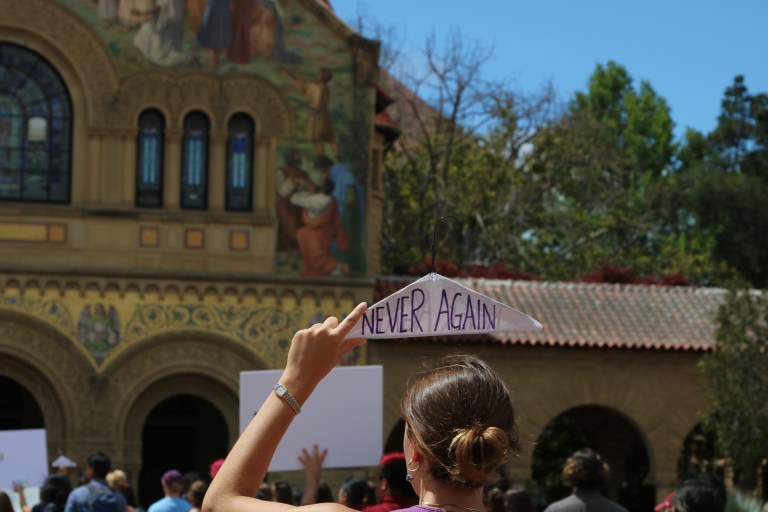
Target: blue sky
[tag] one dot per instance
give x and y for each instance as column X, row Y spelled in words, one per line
column 689, row 50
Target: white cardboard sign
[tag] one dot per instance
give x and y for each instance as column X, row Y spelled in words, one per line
column 437, row 306
column 344, row 415
column 23, row 459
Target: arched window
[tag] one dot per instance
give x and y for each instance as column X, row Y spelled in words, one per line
column 149, row 159
column 240, row 164
column 194, row 162
column 35, row 129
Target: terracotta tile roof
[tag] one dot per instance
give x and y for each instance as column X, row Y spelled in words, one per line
column 595, row 315
column 386, row 126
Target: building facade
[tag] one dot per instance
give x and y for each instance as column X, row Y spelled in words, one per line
column 183, row 185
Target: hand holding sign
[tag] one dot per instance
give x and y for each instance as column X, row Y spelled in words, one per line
column 437, row 306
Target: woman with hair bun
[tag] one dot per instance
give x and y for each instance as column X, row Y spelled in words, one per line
column 460, row 427
column 459, row 430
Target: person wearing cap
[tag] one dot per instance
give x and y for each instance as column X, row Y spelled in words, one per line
column 172, row 482
column 393, row 490
column 587, row 472
column 83, row 498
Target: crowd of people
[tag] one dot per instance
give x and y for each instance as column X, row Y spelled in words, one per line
column 460, row 432
column 108, row 490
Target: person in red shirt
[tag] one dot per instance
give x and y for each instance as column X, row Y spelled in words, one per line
column 393, row 491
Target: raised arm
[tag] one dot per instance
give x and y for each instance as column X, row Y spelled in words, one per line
column 22, row 499
column 313, row 354
column 313, row 466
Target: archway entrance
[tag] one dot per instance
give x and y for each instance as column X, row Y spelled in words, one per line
column 610, row 434
column 18, row 408
column 699, row 455
column 395, row 439
column 183, row 432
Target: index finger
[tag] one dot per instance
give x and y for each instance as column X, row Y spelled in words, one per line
column 349, row 322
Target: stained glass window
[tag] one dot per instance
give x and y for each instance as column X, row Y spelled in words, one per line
column 35, row 129
column 149, row 159
column 240, row 164
column 194, row 171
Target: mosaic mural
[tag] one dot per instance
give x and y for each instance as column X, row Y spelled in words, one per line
column 99, row 328
column 266, row 330
column 323, row 167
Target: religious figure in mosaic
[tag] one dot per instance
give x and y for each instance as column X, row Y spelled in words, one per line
column 215, row 31
column 195, row 11
column 318, row 94
column 108, row 11
column 129, row 13
column 161, row 34
column 99, row 328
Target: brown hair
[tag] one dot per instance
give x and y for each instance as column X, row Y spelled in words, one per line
column 5, row 503
column 585, row 469
column 196, row 493
column 460, row 416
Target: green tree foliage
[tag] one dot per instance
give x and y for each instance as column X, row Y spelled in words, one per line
column 457, row 156
column 737, row 382
column 560, row 191
column 616, row 196
column 727, row 174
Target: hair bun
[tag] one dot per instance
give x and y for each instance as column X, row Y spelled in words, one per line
column 478, row 452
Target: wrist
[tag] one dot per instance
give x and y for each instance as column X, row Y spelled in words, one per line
column 283, row 394
column 298, row 387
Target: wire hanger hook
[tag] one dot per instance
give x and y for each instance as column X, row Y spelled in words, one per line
column 434, row 236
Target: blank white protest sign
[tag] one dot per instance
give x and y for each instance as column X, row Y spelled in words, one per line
column 344, row 415
column 23, row 459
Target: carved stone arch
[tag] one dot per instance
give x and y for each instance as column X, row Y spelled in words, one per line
column 31, row 286
column 241, row 110
column 192, row 290
column 149, row 89
column 230, row 291
column 144, row 107
column 76, row 52
column 207, row 111
column 621, row 400
column 53, row 286
column 213, row 292
column 615, row 410
column 183, row 362
column 620, row 440
column 94, row 287
column 201, row 386
column 56, row 420
column 310, row 298
column 172, row 291
column 44, row 361
column 265, row 102
column 251, row 293
column 199, row 91
column 211, row 354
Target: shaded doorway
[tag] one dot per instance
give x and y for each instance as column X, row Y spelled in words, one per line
column 395, row 439
column 609, row 433
column 183, row 432
column 699, row 455
column 18, row 408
